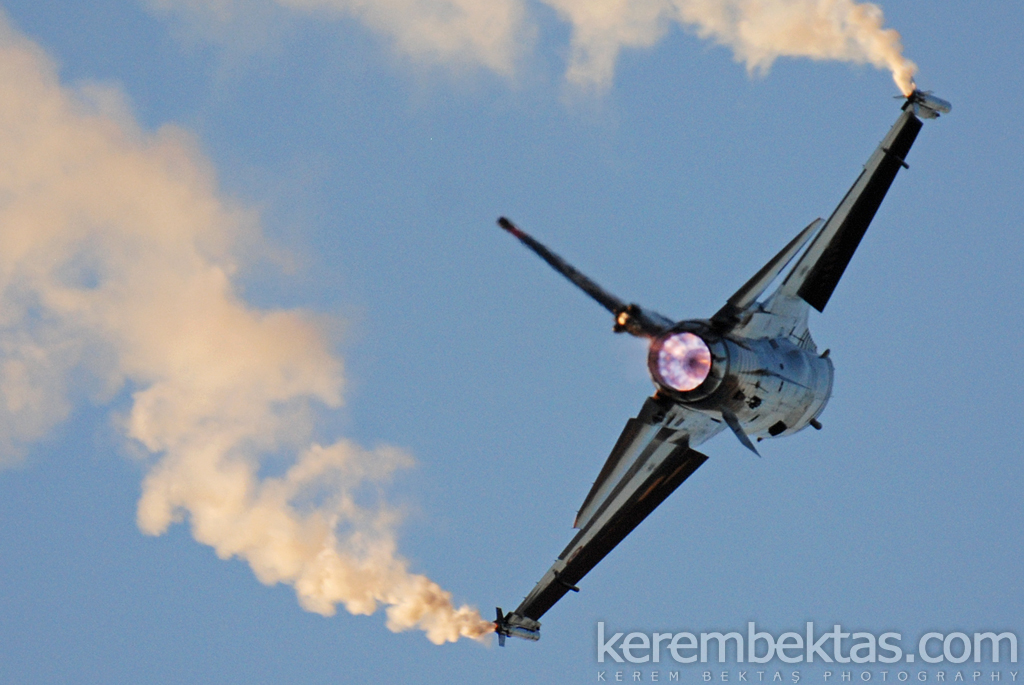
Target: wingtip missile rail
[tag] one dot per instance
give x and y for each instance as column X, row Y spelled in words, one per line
column 926, row 105
column 514, row 625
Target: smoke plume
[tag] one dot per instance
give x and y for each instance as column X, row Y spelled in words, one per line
column 757, row 31
column 496, row 33
column 116, row 265
column 760, row 31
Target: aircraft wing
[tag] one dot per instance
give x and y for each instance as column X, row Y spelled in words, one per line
column 818, row 272
column 649, row 461
column 811, row 282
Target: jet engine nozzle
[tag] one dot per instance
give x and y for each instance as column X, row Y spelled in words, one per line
column 688, row 361
column 683, row 361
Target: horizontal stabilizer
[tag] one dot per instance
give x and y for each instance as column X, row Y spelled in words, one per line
column 641, row 435
column 649, row 488
column 614, row 466
column 728, row 316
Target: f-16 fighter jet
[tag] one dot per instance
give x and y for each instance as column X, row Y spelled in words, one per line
column 752, row 369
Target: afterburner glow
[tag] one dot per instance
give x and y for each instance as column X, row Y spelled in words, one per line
column 684, row 361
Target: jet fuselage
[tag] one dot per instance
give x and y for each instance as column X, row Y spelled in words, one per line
column 773, row 386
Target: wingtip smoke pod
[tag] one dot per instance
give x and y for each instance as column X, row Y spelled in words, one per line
column 927, row 106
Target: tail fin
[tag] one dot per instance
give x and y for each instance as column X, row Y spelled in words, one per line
column 629, row 318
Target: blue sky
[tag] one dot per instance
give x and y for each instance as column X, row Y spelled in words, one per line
column 334, row 175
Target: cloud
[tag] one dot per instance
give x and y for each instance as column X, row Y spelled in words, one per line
column 116, row 265
column 489, row 33
column 484, row 32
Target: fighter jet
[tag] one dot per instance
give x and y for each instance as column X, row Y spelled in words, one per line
column 752, row 369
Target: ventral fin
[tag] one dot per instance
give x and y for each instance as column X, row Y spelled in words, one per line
column 733, row 422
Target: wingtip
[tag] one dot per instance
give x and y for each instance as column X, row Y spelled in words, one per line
column 927, row 105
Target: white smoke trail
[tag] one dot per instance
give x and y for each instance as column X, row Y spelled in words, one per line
column 495, row 33
column 760, row 31
column 757, row 31
column 115, row 257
